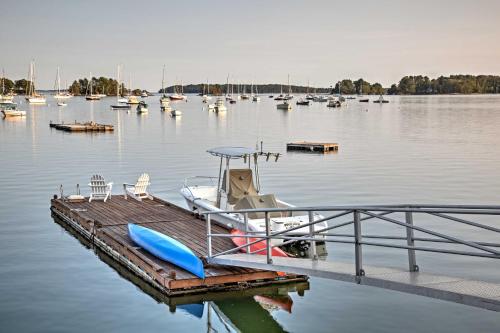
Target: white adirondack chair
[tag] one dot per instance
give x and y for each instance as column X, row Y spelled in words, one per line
column 99, row 189
column 139, row 190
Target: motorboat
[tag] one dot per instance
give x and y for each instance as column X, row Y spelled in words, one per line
column 320, row 98
column 284, row 106
column 239, row 188
column 61, row 103
column 175, row 113
column 302, row 102
column 144, row 94
column 219, row 105
column 280, row 97
column 232, row 101
column 10, row 110
column 142, row 107
column 334, row 103
column 256, row 98
column 309, row 97
column 132, row 99
column 363, row 100
column 381, row 100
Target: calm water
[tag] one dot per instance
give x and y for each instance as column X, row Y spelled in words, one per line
column 440, row 149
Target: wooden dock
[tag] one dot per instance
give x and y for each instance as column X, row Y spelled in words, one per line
column 313, row 146
column 104, row 224
column 82, row 127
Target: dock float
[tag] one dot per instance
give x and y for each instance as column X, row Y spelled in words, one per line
column 82, row 127
column 313, row 146
column 104, row 224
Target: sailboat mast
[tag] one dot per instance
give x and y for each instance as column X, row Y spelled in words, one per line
column 163, row 81
column 3, row 82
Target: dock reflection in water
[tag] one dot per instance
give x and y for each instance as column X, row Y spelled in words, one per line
column 234, row 311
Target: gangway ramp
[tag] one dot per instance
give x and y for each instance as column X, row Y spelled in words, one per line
column 480, row 294
column 417, row 228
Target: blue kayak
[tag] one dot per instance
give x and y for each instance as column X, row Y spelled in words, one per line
column 166, row 248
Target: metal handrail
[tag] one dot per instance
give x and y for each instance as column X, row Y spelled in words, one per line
column 369, row 212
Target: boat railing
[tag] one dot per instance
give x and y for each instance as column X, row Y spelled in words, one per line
column 415, row 224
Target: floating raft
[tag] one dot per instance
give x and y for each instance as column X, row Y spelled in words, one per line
column 105, row 225
column 312, row 146
column 82, row 127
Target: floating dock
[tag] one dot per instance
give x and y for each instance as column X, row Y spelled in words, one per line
column 82, row 127
column 313, row 146
column 104, row 224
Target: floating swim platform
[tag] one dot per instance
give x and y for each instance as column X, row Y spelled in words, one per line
column 82, row 127
column 313, row 146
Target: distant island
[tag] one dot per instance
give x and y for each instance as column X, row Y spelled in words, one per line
column 408, row 85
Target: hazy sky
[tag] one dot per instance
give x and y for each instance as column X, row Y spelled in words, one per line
column 263, row 41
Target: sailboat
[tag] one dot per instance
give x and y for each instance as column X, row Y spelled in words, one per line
column 255, row 97
column 176, row 96
column 131, row 99
column 31, row 95
column 91, row 96
column 280, row 97
column 119, row 99
column 60, row 95
column 164, row 99
column 244, row 95
column 206, row 97
column 289, row 94
column 5, row 99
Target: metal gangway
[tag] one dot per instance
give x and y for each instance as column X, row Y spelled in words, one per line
column 414, row 237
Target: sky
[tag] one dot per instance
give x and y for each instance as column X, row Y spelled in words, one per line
column 260, row 41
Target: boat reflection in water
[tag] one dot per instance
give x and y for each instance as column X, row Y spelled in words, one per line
column 246, row 310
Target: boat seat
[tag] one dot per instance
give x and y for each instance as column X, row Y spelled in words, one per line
column 256, row 202
column 240, row 184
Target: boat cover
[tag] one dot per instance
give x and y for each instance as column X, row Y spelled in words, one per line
column 256, row 202
column 240, row 184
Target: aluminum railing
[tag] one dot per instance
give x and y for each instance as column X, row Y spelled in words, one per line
column 376, row 213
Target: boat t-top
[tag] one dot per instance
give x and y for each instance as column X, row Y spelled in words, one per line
column 239, row 188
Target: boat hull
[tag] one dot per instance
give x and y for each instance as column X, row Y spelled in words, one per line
column 166, row 248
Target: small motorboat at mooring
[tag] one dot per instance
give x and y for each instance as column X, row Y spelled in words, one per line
column 284, row 106
column 10, row 110
column 166, row 248
column 142, row 107
column 302, row 102
column 364, row 100
column 120, row 107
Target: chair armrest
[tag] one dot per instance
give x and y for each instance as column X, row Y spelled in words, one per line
column 128, row 185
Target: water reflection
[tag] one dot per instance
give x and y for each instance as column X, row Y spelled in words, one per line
column 247, row 310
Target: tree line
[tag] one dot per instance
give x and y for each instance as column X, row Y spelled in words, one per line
column 101, row 85
column 408, row 85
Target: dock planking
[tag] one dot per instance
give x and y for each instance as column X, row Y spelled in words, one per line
column 313, row 146
column 105, row 225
